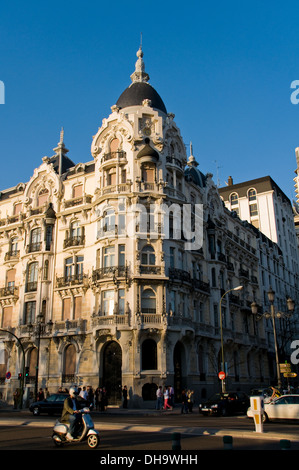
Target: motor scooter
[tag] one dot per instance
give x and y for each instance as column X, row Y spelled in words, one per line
column 85, row 431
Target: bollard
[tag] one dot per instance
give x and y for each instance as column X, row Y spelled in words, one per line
column 228, row 442
column 176, row 441
column 285, row 444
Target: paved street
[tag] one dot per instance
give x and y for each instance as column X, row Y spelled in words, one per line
column 132, row 430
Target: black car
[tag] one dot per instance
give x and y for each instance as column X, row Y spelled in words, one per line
column 225, row 403
column 51, row 405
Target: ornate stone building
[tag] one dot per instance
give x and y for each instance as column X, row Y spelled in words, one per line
column 112, row 271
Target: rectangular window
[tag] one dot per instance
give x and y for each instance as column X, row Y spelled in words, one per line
column 108, row 302
column 66, row 309
column 7, row 316
column 172, row 303
column 121, row 224
column 121, row 255
column 253, row 210
column 172, row 257
column 109, row 256
column 216, row 316
column 121, row 301
column 49, row 231
column 17, row 208
column 68, row 268
column 79, row 267
column 30, row 308
column 78, row 190
column 78, row 307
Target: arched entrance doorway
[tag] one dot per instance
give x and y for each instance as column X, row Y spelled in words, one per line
column 111, row 379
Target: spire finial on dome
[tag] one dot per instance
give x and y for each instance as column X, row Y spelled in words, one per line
column 191, row 160
column 61, row 135
column 139, row 75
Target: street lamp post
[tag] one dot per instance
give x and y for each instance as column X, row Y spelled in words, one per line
column 221, row 331
column 273, row 315
column 40, row 327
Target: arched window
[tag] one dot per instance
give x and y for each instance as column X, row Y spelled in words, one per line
column 252, row 195
column 69, row 363
column 149, row 355
column 114, row 145
column 148, row 301
column 43, row 197
column 3, row 364
column 35, row 239
column 32, row 362
column 234, row 199
column 32, row 276
column 148, row 257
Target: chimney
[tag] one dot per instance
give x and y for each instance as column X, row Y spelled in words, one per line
column 230, row 181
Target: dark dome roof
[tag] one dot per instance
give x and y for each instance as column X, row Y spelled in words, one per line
column 136, row 93
column 196, row 176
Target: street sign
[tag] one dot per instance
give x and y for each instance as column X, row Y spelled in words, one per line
column 221, row 375
column 8, row 375
column 290, row 374
column 285, row 367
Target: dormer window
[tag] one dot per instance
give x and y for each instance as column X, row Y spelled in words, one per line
column 234, row 200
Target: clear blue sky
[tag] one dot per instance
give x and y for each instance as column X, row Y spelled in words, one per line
column 223, row 68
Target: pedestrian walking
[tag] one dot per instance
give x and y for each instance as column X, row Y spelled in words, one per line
column 190, row 400
column 159, row 395
column 40, row 395
column 184, row 408
column 166, row 398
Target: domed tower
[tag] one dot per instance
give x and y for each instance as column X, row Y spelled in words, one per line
column 140, row 160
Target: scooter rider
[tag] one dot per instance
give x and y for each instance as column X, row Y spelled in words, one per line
column 71, row 411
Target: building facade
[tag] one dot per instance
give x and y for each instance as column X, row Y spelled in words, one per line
column 263, row 204
column 120, row 270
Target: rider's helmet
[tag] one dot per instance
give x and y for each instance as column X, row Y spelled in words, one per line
column 73, row 391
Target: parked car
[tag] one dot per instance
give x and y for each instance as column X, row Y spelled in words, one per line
column 284, row 407
column 51, row 405
column 265, row 392
column 225, row 403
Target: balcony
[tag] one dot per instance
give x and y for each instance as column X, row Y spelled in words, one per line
column 243, row 273
column 12, row 255
column 144, row 269
column 109, row 272
column 31, row 286
column 74, row 241
column 175, row 161
column 201, row 285
column 76, row 201
column 73, row 280
column 114, row 188
column 33, row 247
column 179, row 275
column 114, row 157
column 110, row 320
column 9, row 291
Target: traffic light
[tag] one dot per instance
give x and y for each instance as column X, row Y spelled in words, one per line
column 20, row 376
column 26, row 371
